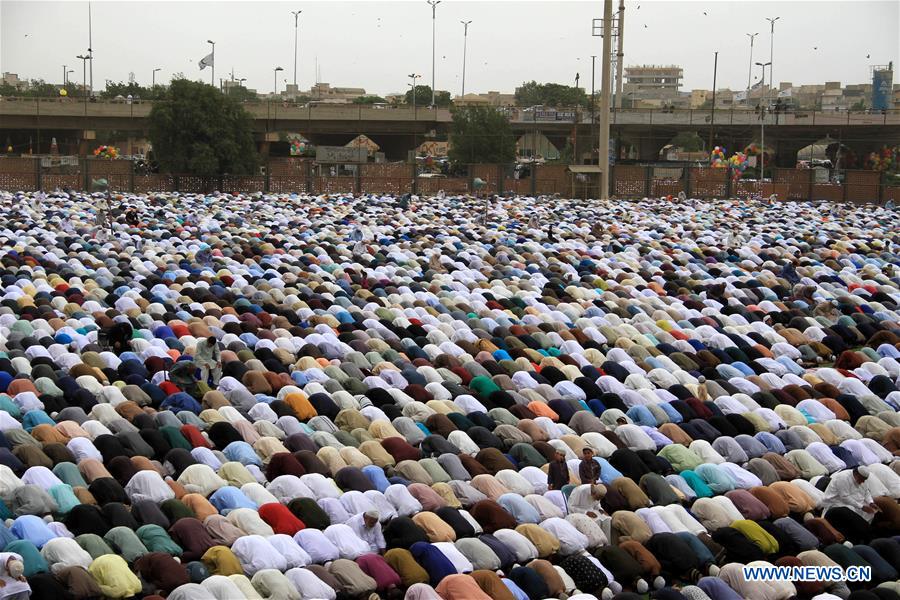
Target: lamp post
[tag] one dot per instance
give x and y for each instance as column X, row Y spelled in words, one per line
column 413, row 76
column 65, row 75
column 296, row 14
column 752, row 36
column 433, row 4
column 212, row 78
column 762, row 127
column 275, row 93
column 465, row 41
column 712, row 118
column 84, row 58
column 154, row 76
column 771, row 48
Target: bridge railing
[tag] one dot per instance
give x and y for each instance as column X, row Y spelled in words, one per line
column 287, row 110
column 704, row 117
column 297, row 175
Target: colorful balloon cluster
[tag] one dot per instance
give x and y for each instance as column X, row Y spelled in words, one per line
column 106, row 152
column 738, row 163
column 298, row 147
column 717, row 158
column 884, row 160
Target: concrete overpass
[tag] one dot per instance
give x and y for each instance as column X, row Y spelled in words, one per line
column 400, row 129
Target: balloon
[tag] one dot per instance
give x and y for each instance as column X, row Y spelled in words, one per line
column 63, row 92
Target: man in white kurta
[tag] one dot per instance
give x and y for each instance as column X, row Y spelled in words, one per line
column 850, row 489
column 367, row 528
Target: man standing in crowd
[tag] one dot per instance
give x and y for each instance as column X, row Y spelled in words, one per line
column 558, row 474
column 589, row 469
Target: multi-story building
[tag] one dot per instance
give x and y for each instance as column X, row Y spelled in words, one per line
column 652, row 83
column 13, row 80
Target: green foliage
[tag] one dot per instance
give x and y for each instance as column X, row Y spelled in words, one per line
column 369, row 100
column 533, row 93
column 41, row 89
column 196, row 130
column 689, row 141
column 241, row 94
column 423, row 96
column 859, row 105
column 481, row 134
column 133, row 89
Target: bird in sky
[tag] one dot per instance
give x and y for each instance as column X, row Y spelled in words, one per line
column 704, row 13
column 868, row 55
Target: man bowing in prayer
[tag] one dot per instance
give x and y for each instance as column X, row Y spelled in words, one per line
column 368, row 529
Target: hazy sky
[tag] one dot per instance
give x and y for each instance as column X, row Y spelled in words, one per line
column 375, row 45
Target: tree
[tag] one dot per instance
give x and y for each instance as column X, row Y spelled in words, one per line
column 689, row 141
column 481, row 134
column 423, row 96
column 195, row 129
column 131, row 88
column 369, row 100
column 859, row 105
column 240, row 93
column 533, row 93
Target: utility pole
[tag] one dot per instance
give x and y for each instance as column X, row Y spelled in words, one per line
column 593, row 116
column 712, row 117
column 65, row 75
column 604, row 100
column 296, row 14
column 465, row 41
column 433, row 4
column 620, row 54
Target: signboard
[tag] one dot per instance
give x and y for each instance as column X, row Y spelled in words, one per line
column 882, row 84
column 341, row 154
column 48, row 162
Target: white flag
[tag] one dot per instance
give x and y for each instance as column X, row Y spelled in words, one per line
column 757, row 85
column 206, row 61
column 787, row 93
column 740, row 96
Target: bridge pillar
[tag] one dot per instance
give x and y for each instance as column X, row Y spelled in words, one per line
column 85, row 141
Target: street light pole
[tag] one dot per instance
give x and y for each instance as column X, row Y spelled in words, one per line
column 762, row 127
column 275, row 93
column 771, row 48
column 465, row 41
column 433, row 4
column 212, row 78
column 296, row 14
column 712, row 118
column 154, row 76
column 84, row 58
column 752, row 36
column 65, row 75
column 413, row 76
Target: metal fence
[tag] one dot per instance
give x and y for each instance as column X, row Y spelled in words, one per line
column 300, row 175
